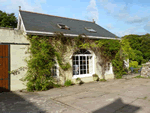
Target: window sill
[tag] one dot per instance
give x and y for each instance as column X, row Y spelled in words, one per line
column 81, row 76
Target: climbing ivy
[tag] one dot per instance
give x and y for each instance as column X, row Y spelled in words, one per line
column 44, row 51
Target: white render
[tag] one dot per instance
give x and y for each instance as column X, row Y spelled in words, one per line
column 17, row 43
column 17, row 55
column 18, row 46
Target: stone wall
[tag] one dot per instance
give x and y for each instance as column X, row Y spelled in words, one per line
column 146, row 70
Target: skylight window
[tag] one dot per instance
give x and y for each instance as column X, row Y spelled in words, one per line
column 90, row 30
column 62, row 26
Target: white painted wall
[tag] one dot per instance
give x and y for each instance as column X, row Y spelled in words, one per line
column 17, row 54
column 9, row 35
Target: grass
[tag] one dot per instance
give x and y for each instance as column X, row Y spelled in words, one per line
column 68, row 83
column 143, row 98
column 102, row 80
column 139, row 76
column 57, row 86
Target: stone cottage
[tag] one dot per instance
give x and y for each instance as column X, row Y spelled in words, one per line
column 13, row 45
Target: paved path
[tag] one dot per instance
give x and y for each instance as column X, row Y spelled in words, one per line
column 113, row 96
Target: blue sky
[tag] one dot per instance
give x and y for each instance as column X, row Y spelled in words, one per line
column 121, row 17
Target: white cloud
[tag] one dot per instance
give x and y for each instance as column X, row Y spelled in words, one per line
column 136, row 19
column 113, row 9
column 110, row 7
column 92, row 11
column 2, row 1
column 121, row 12
column 13, row 6
column 131, row 30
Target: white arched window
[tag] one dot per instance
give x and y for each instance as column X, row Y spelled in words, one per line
column 82, row 63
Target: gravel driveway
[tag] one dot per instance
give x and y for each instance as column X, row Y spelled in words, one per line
column 113, row 96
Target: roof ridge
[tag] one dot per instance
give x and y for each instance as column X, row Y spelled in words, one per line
column 55, row 16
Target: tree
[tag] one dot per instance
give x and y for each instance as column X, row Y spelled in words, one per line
column 140, row 45
column 7, row 20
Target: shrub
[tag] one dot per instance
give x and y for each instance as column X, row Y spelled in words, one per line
column 57, row 85
column 68, row 83
column 78, row 79
column 133, row 64
column 95, row 75
column 144, row 61
column 118, row 66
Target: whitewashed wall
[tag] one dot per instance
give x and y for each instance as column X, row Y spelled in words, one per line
column 17, row 55
column 17, row 42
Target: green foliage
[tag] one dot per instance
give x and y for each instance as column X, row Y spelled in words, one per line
column 141, row 47
column 7, row 20
column 126, row 50
column 68, row 83
column 108, row 48
column 118, row 66
column 102, row 80
column 45, row 49
column 78, row 79
column 95, row 75
column 133, row 64
column 40, row 85
column 144, row 61
column 41, row 61
column 138, row 56
column 60, row 60
column 139, row 76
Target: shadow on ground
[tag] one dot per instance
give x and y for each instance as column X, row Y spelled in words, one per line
column 14, row 103
column 124, row 108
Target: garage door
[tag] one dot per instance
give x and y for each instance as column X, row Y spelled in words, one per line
column 4, row 77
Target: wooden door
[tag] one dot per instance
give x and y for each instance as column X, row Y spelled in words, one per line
column 4, row 79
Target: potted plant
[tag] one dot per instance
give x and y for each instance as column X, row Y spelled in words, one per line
column 79, row 81
column 95, row 77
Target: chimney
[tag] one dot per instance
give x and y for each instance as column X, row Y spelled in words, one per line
column 93, row 21
column 19, row 7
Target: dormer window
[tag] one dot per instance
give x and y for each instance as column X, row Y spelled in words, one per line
column 62, row 26
column 90, row 30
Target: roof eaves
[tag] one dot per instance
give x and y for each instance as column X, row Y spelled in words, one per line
column 69, row 35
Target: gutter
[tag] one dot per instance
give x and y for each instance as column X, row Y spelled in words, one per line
column 69, row 35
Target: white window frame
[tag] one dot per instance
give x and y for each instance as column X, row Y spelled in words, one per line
column 66, row 27
column 84, row 75
column 57, row 69
column 90, row 30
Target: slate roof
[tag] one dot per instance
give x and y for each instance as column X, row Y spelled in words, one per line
column 48, row 23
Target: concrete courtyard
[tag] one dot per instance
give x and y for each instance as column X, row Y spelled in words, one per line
column 113, row 96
